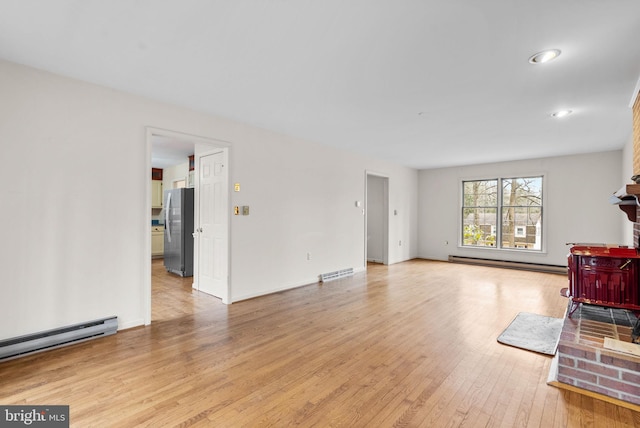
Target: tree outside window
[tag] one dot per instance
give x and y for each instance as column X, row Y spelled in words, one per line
column 510, row 218
column 480, row 212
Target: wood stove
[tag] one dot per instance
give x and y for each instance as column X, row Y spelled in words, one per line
column 605, row 276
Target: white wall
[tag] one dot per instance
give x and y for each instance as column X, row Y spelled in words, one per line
column 302, row 200
column 576, row 207
column 74, row 202
column 173, row 173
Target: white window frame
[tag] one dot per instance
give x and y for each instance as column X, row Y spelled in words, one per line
column 497, row 230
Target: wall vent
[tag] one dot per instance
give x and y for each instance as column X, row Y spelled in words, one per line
column 55, row 338
column 330, row 276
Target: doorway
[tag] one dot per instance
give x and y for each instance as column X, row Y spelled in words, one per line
column 161, row 145
column 377, row 219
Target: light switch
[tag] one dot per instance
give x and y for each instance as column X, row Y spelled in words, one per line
column 245, row 210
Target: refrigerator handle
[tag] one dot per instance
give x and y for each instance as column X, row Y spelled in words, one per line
column 167, row 217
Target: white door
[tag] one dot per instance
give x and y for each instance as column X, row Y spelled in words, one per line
column 212, row 230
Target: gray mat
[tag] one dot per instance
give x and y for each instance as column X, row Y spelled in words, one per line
column 533, row 332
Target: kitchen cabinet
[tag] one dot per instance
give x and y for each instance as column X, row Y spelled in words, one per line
column 156, row 194
column 156, row 174
column 191, row 176
column 157, row 241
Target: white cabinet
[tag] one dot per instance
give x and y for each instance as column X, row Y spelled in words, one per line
column 157, row 241
column 156, row 194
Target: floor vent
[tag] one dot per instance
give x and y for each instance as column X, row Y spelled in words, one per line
column 510, row 265
column 325, row 277
column 50, row 339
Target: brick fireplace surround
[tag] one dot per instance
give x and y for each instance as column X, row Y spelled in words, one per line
column 583, row 362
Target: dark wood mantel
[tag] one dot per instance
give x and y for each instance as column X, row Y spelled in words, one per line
column 632, row 209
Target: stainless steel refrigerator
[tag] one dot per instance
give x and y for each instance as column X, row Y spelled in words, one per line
column 178, row 231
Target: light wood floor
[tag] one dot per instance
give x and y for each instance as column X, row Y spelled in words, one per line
column 413, row 344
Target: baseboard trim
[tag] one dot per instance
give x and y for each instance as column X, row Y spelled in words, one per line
column 536, row 267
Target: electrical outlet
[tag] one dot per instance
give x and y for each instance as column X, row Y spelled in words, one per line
column 400, row 243
column 308, row 256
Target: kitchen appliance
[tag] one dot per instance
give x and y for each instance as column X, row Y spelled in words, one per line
column 178, row 231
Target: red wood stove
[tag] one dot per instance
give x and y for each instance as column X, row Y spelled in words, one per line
column 604, row 276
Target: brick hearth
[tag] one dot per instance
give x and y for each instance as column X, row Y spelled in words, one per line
column 583, row 362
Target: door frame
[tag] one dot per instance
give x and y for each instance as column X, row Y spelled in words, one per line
column 211, row 143
column 385, row 216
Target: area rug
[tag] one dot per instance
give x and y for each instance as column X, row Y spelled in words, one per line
column 533, row 332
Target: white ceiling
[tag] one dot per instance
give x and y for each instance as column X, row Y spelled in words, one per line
column 425, row 83
column 166, row 151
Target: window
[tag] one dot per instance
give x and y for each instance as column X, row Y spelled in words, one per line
column 502, row 213
column 480, row 212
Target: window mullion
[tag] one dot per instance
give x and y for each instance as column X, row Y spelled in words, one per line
column 499, row 215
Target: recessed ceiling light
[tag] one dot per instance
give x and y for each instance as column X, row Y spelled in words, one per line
column 561, row 113
column 544, row 56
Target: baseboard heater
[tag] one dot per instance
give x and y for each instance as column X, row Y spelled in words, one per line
column 510, row 265
column 330, row 276
column 55, row 338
